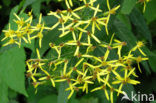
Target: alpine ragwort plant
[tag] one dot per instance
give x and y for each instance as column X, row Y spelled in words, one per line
column 89, row 69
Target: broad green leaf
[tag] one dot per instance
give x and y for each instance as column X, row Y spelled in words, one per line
column 13, row 101
column 127, row 6
column 89, row 100
column 152, row 59
column 74, row 101
column 125, row 20
column 62, row 94
column 12, row 94
column 129, row 89
column 150, row 14
column 101, row 96
column 49, row 99
column 12, row 68
column 124, row 33
column 36, row 7
column 28, row 2
column 3, row 92
column 42, row 91
column 140, row 24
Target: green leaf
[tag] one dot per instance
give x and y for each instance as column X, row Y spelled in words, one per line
column 12, row 68
column 124, row 19
column 3, row 92
column 36, row 7
column 152, row 59
column 28, row 2
column 62, row 94
column 124, row 34
column 49, row 99
column 13, row 101
column 140, row 24
column 129, row 89
column 89, row 100
column 128, row 6
column 150, row 14
column 12, row 94
column 42, row 91
column 101, row 96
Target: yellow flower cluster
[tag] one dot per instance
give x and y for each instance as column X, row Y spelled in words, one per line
column 25, row 31
column 110, row 74
column 89, row 69
column 69, row 20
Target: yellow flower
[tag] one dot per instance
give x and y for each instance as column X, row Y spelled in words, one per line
column 68, row 3
column 39, row 25
column 75, row 68
column 119, row 45
column 57, row 48
column 125, row 79
column 61, row 20
column 93, row 36
column 28, row 31
column 85, row 80
column 111, row 11
column 39, row 60
column 108, row 48
column 77, row 44
column 20, row 21
column 112, row 91
column 8, row 33
column 70, row 13
column 56, row 63
column 39, row 35
column 138, row 46
column 48, row 77
column 138, row 60
column 30, row 72
column 72, row 90
column 103, row 87
column 95, row 21
column 72, row 30
column 87, row 5
column 12, row 41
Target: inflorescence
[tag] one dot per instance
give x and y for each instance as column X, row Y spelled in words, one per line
column 108, row 74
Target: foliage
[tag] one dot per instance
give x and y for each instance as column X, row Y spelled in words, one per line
column 89, row 50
